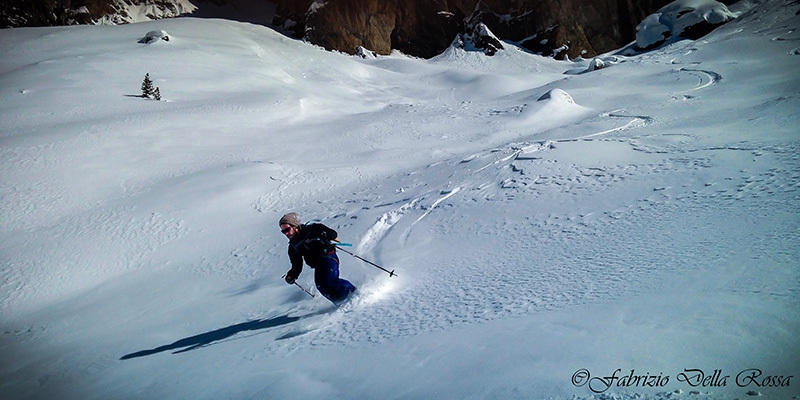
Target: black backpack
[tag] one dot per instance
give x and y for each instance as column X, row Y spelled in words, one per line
column 318, row 237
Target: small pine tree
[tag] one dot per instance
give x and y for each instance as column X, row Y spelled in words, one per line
column 147, row 87
column 157, row 95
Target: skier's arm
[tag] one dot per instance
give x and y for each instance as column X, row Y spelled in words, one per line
column 297, row 265
column 331, row 233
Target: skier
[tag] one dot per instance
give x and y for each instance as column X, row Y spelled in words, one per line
column 312, row 242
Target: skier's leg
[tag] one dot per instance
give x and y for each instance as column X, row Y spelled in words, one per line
column 328, row 282
column 343, row 286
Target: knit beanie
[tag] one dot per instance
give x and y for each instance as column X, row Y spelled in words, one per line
column 291, row 219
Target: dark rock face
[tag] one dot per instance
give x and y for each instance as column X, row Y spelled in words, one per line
column 421, row 28
column 19, row 13
column 368, row 24
column 559, row 28
column 415, row 27
column 22, row 13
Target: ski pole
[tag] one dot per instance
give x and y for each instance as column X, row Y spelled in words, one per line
column 391, row 273
column 302, row 288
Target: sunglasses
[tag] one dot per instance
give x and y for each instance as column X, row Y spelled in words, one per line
column 286, row 230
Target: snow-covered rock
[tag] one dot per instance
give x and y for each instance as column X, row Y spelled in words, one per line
column 142, row 11
column 154, row 36
column 690, row 19
column 478, row 37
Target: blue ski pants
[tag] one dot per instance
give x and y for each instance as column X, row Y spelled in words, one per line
column 326, row 278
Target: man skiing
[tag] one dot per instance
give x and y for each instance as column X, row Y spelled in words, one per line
column 312, row 243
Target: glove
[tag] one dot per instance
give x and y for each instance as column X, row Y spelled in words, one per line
column 290, row 279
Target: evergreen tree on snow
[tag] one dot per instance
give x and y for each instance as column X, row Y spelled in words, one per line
column 148, row 91
column 157, row 95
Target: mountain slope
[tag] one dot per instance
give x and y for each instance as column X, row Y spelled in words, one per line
column 550, row 223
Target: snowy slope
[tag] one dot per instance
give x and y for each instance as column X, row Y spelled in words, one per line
column 547, row 228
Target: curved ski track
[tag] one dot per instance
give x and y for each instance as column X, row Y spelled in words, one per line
column 549, row 260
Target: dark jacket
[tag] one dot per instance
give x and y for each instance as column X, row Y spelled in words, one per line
column 313, row 243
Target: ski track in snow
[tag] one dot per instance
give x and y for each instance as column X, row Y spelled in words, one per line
column 556, row 261
column 705, row 78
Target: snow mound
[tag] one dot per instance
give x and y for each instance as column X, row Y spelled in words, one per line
column 155, row 36
column 554, row 108
column 690, row 19
column 558, row 96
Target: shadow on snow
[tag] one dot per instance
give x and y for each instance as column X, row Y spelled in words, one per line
column 205, row 339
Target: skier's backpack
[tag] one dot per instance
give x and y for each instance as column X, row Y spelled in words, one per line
column 318, row 238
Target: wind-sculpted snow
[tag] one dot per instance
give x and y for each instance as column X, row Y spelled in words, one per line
column 553, row 226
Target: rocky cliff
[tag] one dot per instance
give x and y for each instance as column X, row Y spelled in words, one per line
column 30, row 13
column 422, row 28
column 20, row 13
column 559, row 28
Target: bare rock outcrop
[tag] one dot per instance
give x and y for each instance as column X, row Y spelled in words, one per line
column 559, row 28
column 421, row 28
